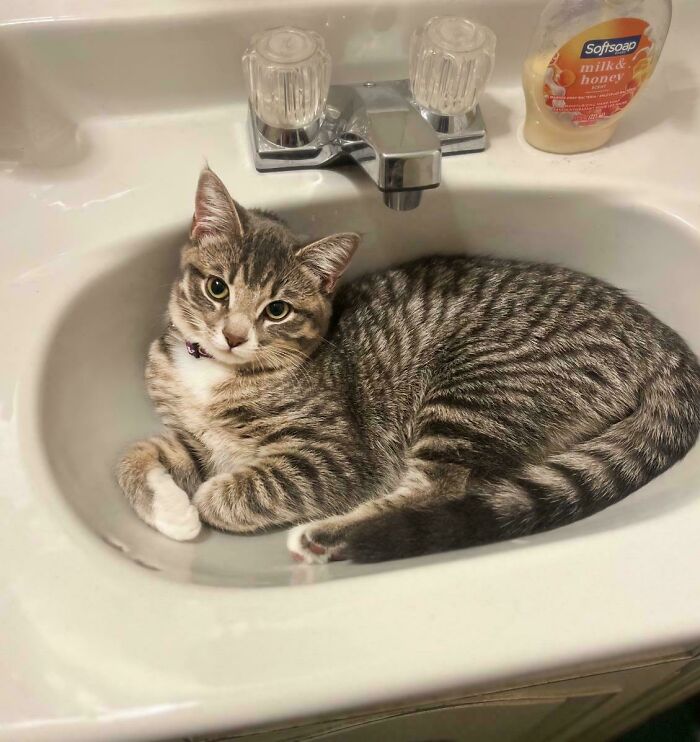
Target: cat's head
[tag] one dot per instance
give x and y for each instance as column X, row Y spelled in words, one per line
column 251, row 293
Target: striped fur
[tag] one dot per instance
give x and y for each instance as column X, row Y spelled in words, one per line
column 445, row 403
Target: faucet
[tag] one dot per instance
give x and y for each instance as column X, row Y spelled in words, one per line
column 397, row 131
column 389, row 139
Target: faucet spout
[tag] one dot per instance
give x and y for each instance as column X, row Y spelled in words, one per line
column 403, row 200
column 387, row 136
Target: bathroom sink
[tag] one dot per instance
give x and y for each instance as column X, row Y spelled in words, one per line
column 92, row 400
column 111, row 631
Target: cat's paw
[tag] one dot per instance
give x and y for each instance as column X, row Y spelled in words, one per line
column 225, row 502
column 316, row 543
column 172, row 513
column 211, row 500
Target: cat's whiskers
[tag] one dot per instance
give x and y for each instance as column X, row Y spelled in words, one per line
column 338, row 350
column 279, row 356
column 299, row 372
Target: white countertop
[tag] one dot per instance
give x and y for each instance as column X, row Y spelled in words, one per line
column 88, row 637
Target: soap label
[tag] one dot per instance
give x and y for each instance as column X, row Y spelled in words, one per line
column 596, row 74
column 610, row 47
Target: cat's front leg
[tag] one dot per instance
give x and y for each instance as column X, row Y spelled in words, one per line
column 156, row 475
column 253, row 498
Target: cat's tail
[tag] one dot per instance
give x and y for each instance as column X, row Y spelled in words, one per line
column 563, row 488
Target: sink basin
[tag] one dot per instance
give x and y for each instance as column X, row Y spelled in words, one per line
column 92, row 400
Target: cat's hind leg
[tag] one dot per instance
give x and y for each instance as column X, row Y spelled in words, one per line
column 156, row 475
column 389, row 527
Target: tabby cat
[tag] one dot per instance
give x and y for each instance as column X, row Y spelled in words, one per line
column 445, row 403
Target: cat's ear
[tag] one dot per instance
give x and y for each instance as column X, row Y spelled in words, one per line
column 215, row 212
column 328, row 258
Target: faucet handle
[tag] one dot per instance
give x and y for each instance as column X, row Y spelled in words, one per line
column 451, row 60
column 287, row 73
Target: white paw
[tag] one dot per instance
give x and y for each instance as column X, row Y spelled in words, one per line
column 303, row 549
column 172, row 514
column 182, row 524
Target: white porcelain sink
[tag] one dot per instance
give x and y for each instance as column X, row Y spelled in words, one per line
column 93, row 402
column 111, row 631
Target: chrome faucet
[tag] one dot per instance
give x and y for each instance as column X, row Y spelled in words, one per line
column 396, row 131
column 389, row 139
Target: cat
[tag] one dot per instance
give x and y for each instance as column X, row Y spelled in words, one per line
column 445, row 403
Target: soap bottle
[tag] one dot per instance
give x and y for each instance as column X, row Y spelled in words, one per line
column 587, row 61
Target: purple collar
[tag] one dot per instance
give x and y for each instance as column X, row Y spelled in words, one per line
column 194, row 350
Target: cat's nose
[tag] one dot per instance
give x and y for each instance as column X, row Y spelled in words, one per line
column 233, row 339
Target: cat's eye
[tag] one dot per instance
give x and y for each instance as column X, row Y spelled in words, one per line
column 217, row 288
column 277, row 310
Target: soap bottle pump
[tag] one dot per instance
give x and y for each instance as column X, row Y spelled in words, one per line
column 588, row 60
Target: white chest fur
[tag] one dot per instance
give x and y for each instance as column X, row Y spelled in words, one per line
column 199, row 376
column 200, row 379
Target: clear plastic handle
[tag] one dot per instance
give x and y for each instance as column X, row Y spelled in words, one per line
column 287, row 72
column 451, row 61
